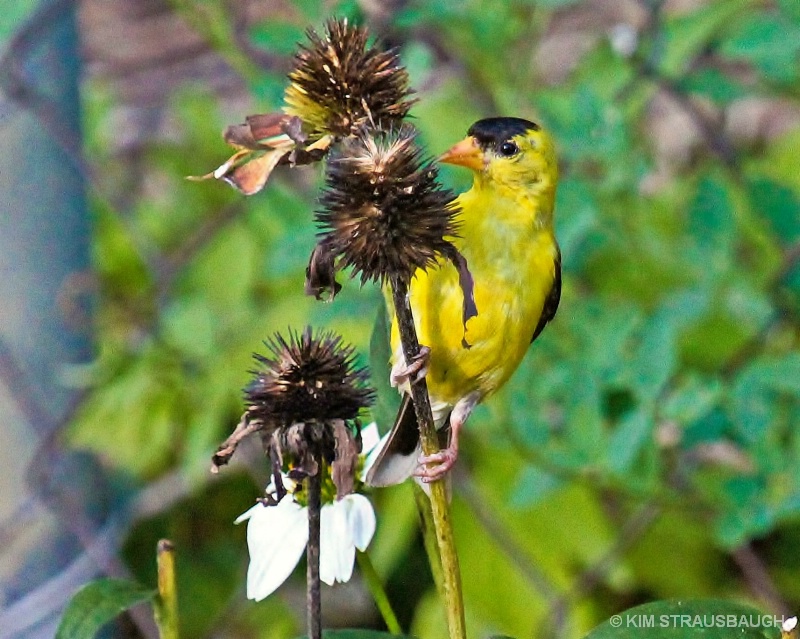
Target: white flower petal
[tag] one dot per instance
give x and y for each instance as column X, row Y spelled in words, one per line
column 369, row 438
column 345, row 549
column 276, row 538
column 337, row 552
column 361, row 520
column 347, row 557
column 328, row 557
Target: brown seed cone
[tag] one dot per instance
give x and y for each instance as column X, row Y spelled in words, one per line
column 384, row 213
column 340, row 84
column 307, row 378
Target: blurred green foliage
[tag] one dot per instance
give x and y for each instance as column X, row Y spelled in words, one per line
column 649, row 440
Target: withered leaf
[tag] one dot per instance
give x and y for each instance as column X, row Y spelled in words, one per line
column 250, row 176
column 244, row 428
column 343, row 469
column 274, row 129
column 296, row 441
column 321, row 272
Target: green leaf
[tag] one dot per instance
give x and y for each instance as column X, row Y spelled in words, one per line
column 679, row 619
column 578, row 197
column 711, row 219
column 355, row 633
column 747, row 516
column 97, row 603
column 757, row 389
column 779, row 204
column 628, row 439
column 713, row 84
column 533, row 486
column 769, row 42
column 380, row 351
column 691, row 398
column 656, row 358
column 687, row 35
column 278, row 36
column 791, row 9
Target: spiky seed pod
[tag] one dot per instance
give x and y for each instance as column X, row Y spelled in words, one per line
column 307, row 378
column 383, row 211
column 339, row 84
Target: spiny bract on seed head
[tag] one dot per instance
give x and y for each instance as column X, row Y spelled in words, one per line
column 307, row 378
column 383, row 211
column 339, row 84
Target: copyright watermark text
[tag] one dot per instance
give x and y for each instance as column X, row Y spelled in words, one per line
column 635, row 620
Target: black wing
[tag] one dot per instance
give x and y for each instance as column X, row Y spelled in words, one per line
column 553, row 298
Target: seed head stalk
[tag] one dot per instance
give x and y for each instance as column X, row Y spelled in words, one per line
column 313, row 587
column 440, row 508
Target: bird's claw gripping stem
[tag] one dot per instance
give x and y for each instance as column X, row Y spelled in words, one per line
column 436, row 466
column 413, row 372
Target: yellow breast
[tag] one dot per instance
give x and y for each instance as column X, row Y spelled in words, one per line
column 511, row 256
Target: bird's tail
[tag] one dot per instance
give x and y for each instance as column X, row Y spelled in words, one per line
column 398, row 457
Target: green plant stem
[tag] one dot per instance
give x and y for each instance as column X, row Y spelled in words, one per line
column 440, row 508
column 166, row 608
column 313, row 588
column 429, row 537
column 378, row 593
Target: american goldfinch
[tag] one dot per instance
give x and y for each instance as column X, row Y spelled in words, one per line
column 506, row 234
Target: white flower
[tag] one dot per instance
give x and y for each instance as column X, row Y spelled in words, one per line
column 277, row 536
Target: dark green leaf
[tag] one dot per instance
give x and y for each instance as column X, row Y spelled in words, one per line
column 711, row 217
column 712, row 83
column 779, row 204
column 628, row 439
column 756, row 391
column 769, row 42
column 682, row 619
column 97, row 603
column 380, row 351
column 690, row 399
column 577, row 197
column 656, row 358
column 746, row 516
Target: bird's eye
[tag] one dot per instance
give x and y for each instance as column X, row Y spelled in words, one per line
column 507, row 149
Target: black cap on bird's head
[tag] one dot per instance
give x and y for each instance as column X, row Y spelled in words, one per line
column 489, row 134
column 492, row 131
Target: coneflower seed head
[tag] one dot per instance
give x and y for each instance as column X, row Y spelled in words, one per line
column 340, row 84
column 307, row 378
column 383, row 211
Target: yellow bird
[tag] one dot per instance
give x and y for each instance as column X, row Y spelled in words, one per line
column 506, row 235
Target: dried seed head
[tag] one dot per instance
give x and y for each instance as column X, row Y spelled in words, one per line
column 384, row 213
column 307, row 378
column 339, row 84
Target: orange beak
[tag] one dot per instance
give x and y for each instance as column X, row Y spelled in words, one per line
column 466, row 153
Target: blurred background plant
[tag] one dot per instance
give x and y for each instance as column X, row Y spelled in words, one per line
column 647, row 447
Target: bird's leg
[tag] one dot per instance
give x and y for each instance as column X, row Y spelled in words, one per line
column 413, row 372
column 436, row 466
